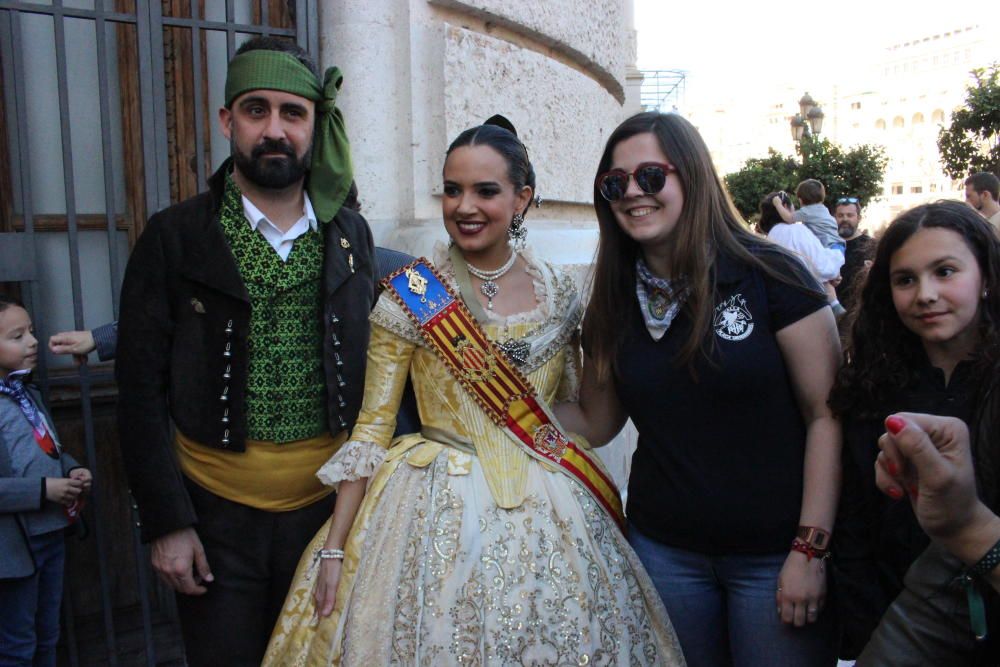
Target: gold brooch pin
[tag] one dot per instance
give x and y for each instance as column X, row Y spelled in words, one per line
column 350, row 261
column 198, row 307
column 344, row 243
column 417, row 284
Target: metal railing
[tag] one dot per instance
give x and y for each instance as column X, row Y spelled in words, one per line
column 662, row 89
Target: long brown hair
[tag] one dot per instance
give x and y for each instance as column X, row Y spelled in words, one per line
column 709, row 224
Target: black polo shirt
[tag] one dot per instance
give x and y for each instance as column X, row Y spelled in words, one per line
column 719, row 462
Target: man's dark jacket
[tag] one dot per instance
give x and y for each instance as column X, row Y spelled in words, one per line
column 185, row 318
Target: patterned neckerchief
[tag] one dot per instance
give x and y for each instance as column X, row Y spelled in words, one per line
column 13, row 386
column 660, row 299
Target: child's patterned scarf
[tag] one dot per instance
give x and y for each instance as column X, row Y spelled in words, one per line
column 14, row 387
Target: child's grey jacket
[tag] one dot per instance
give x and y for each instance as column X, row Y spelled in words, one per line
column 19, row 495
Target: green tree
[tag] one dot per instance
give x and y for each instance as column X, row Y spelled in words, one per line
column 856, row 172
column 971, row 143
column 757, row 177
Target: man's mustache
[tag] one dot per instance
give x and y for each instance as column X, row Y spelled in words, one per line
column 271, row 146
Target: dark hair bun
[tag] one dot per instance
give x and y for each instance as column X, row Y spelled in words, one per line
column 501, row 121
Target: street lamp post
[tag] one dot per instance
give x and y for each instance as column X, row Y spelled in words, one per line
column 806, row 124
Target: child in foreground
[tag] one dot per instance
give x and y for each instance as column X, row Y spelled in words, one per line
column 41, row 492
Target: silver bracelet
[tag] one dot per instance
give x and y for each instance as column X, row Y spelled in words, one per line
column 327, row 554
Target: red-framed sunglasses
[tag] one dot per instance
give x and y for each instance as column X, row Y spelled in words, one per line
column 649, row 176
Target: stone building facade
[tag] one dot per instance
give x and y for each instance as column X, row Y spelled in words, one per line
column 419, row 72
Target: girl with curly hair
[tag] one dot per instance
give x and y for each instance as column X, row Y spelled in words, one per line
column 924, row 338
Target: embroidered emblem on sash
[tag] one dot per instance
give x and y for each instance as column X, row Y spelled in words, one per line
column 549, row 439
column 733, row 320
column 477, row 364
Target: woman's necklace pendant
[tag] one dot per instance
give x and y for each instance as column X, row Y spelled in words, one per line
column 489, row 289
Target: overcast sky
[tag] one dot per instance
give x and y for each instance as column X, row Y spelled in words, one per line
column 739, row 43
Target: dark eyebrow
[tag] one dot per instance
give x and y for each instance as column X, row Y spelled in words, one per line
column 482, row 183
column 254, row 100
column 293, row 106
column 936, row 263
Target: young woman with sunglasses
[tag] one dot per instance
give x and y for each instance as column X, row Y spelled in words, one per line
column 924, row 338
column 464, row 548
column 720, row 347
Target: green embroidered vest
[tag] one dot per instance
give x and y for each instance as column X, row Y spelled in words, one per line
column 286, row 396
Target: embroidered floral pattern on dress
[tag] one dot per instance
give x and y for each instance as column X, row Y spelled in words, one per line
column 481, row 585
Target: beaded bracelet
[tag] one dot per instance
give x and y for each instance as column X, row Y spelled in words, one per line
column 986, row 564
column 328, row 554
column 810, row 552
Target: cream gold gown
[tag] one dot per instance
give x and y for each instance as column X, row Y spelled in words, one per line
column 466, row 551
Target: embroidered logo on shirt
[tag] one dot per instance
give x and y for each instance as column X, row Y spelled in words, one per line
column 733, row 320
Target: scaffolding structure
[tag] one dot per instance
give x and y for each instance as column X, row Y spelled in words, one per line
column 662, row 89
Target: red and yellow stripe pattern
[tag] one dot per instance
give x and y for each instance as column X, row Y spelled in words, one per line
column 496, row 385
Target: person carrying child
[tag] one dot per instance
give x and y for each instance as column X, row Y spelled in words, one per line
column 814, row 214
column 41, row 493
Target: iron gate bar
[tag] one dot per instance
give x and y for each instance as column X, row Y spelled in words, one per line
column 142, row 567
column 265, row 8
column 300, row 25
column 199, row 131
column 230, row 32
column 107, row 152
column 224, row 26
column 27, row 212
column 69, row 187
column 69, row 624
column 157, row 97
column 70, row 12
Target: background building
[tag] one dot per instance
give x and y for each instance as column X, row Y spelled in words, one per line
column 898, row 100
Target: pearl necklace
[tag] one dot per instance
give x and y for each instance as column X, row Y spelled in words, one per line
column 489, row 288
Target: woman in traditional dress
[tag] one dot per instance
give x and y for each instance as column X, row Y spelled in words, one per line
column 465, row 544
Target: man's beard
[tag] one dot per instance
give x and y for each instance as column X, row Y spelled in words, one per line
column 271, row 172
column 846, row 231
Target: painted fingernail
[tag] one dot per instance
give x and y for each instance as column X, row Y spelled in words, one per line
column 895, row 425
column 891, row 467
column 894, row 493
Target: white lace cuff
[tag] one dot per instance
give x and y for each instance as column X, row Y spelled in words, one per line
column 356, row 459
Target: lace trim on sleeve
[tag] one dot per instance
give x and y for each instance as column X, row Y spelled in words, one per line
column 389, row 315
column 356, row 459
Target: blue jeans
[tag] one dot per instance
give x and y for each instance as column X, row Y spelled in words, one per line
column 724, row 611
column 29, row 607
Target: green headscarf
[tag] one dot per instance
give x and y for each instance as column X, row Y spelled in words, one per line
column 330, row 172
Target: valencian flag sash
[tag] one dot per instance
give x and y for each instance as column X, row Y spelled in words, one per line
column 497, row 386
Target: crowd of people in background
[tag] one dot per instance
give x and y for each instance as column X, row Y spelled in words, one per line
column 345, row 455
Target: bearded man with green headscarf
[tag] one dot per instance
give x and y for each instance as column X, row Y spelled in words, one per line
column 241, row 354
